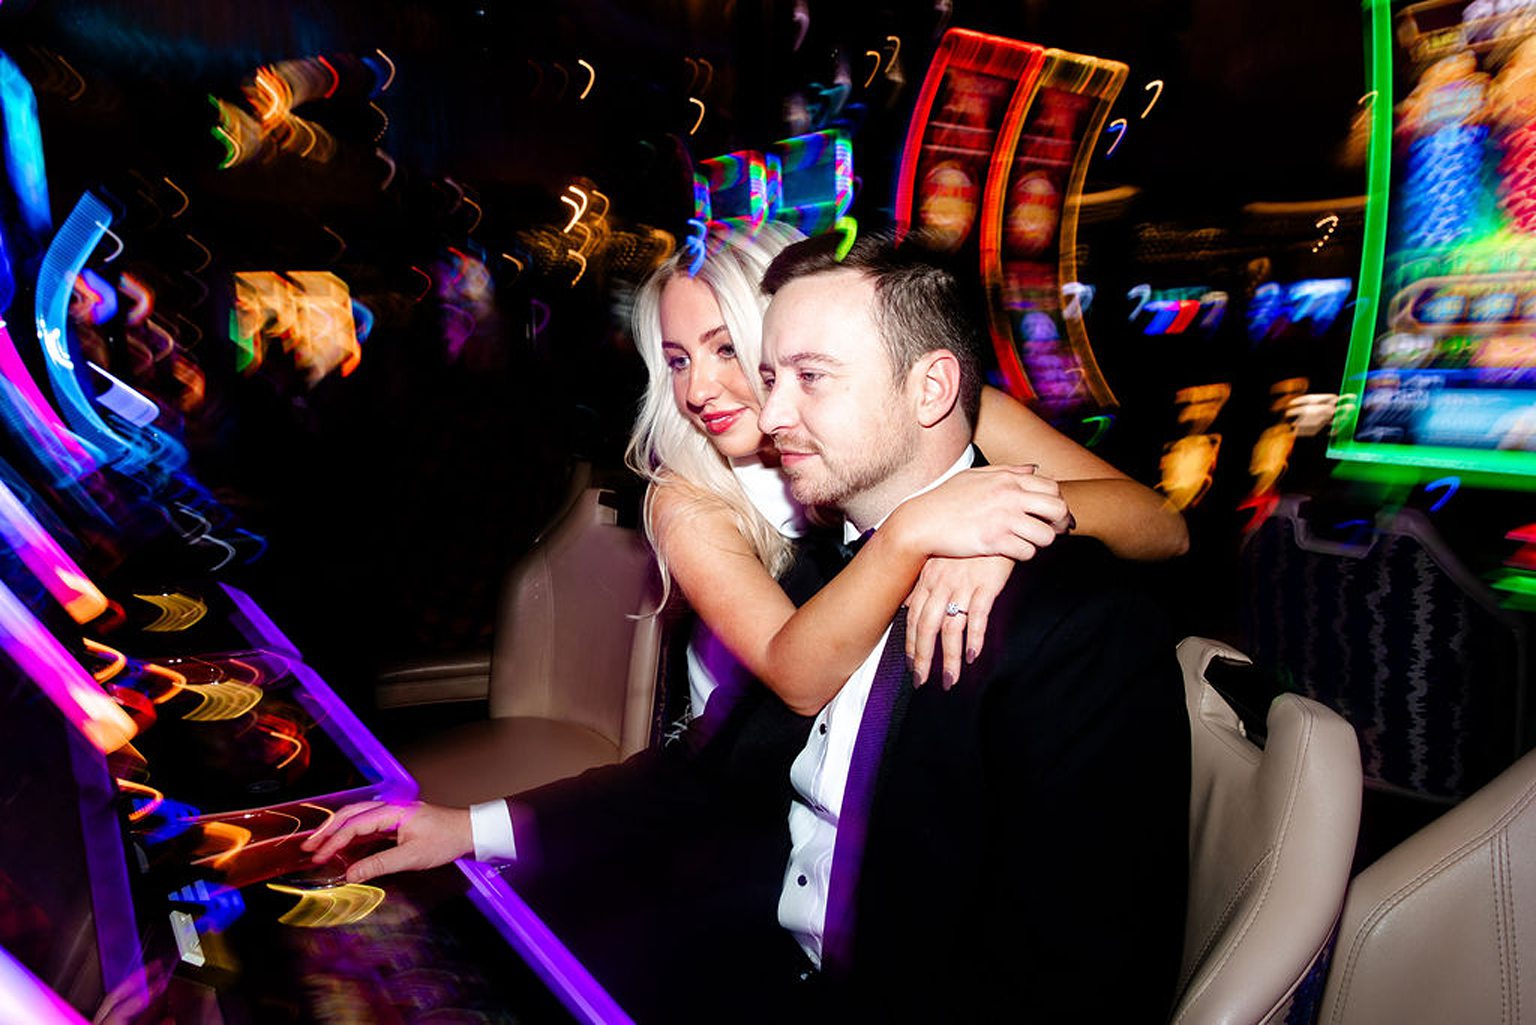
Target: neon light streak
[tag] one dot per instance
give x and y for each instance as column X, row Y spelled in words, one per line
column 874, row 70
column 177, row 611
column 116, row 660
column 41, row 554
column 591, row 78
column 850, row 230
column 1451, row 485
column 1117, row 126
column 153, row 799
column 700, row 119
column 333, row 906
column 1156, row 83
column 61, row 266
column 67, row 685
column 24, row 148
column 231, row 837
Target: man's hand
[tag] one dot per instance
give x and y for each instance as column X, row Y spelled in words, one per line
column 426, row 835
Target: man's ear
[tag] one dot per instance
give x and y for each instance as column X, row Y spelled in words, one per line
column 935, row 378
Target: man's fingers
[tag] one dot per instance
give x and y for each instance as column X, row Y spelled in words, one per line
column 378, row 820
column 337, row 821
column 385, row 862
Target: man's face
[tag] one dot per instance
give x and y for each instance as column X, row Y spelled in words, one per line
column 839, row 418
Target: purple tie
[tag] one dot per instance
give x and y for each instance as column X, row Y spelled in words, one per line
column 858, row 795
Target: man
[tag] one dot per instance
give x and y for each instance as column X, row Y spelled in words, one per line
column 1016, row 843
column 1024, row 837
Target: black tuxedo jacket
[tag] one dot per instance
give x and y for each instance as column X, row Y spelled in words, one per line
column 1026, row 851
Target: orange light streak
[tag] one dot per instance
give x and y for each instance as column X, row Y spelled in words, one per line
column 115, row 664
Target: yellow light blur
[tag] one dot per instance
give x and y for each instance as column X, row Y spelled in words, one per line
column 333, row 906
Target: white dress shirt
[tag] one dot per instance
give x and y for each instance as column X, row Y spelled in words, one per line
column 819, row 776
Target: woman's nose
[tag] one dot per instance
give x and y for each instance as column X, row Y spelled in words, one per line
column 703, row 385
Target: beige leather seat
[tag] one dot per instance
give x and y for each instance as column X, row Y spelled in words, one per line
column 1272, row 832
column 1443, row 927
column 572, row 679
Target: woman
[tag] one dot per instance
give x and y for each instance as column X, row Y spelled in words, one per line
column 721, row 520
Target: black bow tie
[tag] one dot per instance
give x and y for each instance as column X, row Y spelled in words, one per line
column 851, row 548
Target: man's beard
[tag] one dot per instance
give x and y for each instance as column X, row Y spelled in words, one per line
column 832, row 482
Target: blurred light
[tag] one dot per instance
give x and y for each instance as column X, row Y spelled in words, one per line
column 1450, row 485
column 591, row 79
column 41, row 554
column 1117, row 126
column 700, row 119
column 116, row 660
column 1156, row 83
column 850, row 231
column 308, row 312
column 40, row 656
column 332, row 906
column 24, row 148
column 178, row 611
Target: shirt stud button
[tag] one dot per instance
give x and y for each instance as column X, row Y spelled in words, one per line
column 821, row 728
column 802, row 880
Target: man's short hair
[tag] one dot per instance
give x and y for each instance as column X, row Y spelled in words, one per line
column 921, row 303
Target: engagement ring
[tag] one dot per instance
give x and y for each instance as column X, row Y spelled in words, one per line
column 953, row 609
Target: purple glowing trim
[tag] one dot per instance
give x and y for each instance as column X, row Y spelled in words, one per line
column 567, row 977
column 347, row 730
column 23, row 997
column 37, row 410
column 257, row 627
column 56, row 571
column 43, row 660
column 106, row 867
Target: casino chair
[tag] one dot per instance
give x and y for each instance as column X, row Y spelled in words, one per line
column 1443, row 927
column 1272, row 831
column 1379, row 620
column 572, row 680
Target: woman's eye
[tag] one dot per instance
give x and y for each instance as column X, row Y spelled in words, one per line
column 677, row 364
column 727, row 351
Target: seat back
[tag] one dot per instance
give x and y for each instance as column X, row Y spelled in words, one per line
column 574, row 643
column 1381, row 622
column 1443, row 927
column 1271, row 836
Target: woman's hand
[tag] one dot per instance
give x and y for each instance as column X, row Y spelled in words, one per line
column 970, row 584
column 988, row 510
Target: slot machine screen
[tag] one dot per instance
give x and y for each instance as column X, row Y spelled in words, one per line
column 1441, row 370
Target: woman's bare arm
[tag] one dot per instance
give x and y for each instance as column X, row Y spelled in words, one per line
column 806, row 655
column 1132, row 520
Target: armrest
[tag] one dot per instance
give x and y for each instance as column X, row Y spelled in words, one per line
column 436, row 682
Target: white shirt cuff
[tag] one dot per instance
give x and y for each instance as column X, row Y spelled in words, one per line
column 490, row 826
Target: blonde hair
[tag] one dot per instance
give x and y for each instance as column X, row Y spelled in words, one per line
column 666, row 448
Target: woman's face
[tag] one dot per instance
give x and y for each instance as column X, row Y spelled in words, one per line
column 709, row 385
